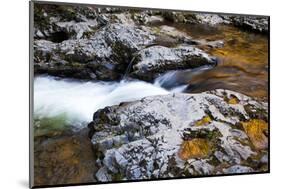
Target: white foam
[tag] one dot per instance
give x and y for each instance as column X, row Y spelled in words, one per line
column 79, row 100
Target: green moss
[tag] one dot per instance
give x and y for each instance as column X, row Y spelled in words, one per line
column 77, row 65
column 117, row 177
column 49, row 125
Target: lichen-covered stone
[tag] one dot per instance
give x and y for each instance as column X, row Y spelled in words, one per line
column 257, row 130
column 158, row 59
column 160, row 137
column 105, row 55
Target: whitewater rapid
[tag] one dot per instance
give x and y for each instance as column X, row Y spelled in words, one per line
column 78, row 100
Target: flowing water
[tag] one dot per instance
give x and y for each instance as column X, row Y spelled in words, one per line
column 63, row 105
column 243, row 61
column 70, row 102
column 242, row 67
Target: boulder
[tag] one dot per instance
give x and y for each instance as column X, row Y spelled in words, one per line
column 152, row 61
column 253, row 23
column 105, row 55
column 58, row 23
column 177, row 135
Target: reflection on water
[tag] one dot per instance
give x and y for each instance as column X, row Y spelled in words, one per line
column 243, row 61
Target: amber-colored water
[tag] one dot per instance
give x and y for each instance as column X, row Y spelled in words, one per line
column 243, row 61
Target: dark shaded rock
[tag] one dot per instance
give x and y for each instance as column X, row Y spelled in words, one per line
column 252, row 23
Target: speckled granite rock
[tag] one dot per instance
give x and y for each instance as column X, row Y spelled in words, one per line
column 178, row 135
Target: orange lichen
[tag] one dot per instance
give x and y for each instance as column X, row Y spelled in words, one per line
column 195, row 148
column 233, row 100
column 256, row 129
column 204, row 121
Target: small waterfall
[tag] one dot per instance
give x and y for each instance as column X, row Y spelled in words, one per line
column 128, row 68
column 79, row 100
column 167, row 79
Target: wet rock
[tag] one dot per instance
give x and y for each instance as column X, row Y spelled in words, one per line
column 158, row 59
column 211, row 44
column 106, row 54
column 147, row 17
column 252, row 23
column 178, row 17
column 78, row 30
column 170, row 32
column 210, row 19
column 58, row 23
column 161, row 137
column 195, row 18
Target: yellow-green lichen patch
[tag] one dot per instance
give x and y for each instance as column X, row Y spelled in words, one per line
column 257, row 130
column 194, row 148
column 233, row 100
column 204, row 121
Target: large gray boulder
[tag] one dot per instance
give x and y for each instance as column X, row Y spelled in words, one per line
column 152, row 61
column 180, row 135
column 105, row 55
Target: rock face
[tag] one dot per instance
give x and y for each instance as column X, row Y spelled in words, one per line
column 100, row 44
column 159, row 59
column 180, row 135
column 107, row 54
column 258, row 24
column 104, row 56
column 58, row 23
column 252, row 23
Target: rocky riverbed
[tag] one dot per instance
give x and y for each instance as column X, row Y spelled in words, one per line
column 131, row 94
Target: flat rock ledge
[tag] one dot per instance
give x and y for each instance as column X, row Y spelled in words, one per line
column 180, row 135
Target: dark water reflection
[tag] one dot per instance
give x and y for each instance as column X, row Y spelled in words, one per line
column 243, row 61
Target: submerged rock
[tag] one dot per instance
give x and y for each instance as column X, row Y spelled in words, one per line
column 63, row 159
column 170, row 136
